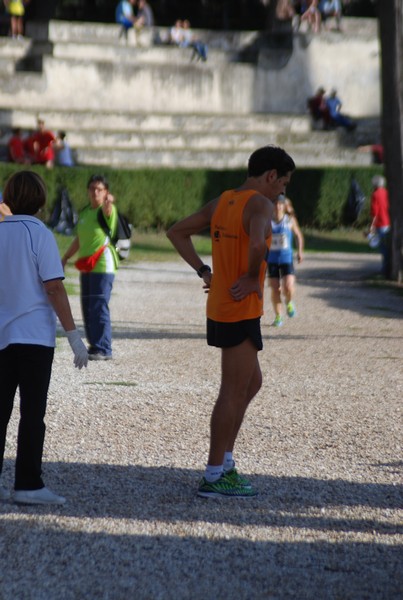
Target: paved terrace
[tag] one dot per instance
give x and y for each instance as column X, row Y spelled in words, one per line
column 127, row 441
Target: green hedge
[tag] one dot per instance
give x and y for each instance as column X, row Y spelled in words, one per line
column 156, row 198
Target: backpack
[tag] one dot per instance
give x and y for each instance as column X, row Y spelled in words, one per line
column 64, row 217
column 121, row 240
column 355, row 202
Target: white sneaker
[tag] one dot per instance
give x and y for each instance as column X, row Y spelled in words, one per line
column 42, row 496
column 4, row 493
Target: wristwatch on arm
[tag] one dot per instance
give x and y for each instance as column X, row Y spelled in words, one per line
column 203, row 269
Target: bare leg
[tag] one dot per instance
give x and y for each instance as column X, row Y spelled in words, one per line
column 288, row 287
column 241, row 380
column 254, row 387
column 275, row 295
column 14, row 26
column 20, row 26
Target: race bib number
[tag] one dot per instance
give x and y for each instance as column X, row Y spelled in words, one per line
column 279, row 241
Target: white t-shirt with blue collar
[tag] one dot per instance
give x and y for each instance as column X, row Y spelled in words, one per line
column 29, row 256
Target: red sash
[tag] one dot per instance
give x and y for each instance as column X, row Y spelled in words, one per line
column 87, row 263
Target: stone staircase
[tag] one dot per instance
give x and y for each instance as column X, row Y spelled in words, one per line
column 109, row 127
column 180, row 140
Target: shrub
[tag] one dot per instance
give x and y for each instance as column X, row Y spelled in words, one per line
column 156, row 198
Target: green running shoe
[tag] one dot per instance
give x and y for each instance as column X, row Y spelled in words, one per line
column 237, row 478
column 291, row 309
column 278, row 321
column 224, row 487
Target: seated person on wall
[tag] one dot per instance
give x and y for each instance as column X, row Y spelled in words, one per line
column 286, row 13
column 16, row 150
column 285, row 10
column 64, row 155
column 312, row 16
column 331, row 8
column 124, row 16
column 318, row 109
column 339, row 119
column 176, row 34
column 144, row 18
column 299, row 7
column 190, row 41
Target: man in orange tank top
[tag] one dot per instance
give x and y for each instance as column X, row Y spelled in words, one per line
column 240, row 225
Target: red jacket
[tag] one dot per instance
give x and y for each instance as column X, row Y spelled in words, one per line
column 380, row 207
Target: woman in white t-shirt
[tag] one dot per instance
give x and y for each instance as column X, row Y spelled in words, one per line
column 31, row 295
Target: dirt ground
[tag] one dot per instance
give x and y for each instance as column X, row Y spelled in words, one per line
column 127, row 442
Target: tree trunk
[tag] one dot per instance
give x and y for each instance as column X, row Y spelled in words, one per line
column 391, row 35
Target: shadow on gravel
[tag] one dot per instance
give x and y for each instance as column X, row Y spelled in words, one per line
column 140, row 331
column 136, row 492
column 135, row 547
column 102, row 566
column 351, row 283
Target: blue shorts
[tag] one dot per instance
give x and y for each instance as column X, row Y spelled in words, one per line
column 277, row 271
column 227, row 335
column 126, row 23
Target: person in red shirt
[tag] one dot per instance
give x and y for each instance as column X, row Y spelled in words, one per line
column 380, row 224
column 318, row 109
column 43, row 141
column 28, row 143
column 16, row 151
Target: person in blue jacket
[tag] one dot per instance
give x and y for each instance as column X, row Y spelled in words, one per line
column 124, row 16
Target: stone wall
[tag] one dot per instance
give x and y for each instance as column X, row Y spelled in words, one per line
column 87, row 67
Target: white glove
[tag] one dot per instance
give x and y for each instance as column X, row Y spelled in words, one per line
column 79, row 349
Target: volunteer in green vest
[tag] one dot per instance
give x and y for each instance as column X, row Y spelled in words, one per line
column 97, row 262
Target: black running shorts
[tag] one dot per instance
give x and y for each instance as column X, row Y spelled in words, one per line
column 227, row 335
column 276, row 271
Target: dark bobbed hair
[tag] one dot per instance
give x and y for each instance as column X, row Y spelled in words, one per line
column 98, row 179
column 268, row 158
column 25, row 193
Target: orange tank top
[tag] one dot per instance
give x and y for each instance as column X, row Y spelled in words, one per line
column 230, row 249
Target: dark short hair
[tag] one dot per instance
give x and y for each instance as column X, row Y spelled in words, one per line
column 98, row 179
column 268, row 158
column 25, row 193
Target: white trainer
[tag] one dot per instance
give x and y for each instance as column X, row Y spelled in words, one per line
column 42, row 496
column 4, row 493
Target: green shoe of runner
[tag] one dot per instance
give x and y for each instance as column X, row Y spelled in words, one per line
column 237, row 478
column 278, row 321
column 224, row 487
column 291, row 309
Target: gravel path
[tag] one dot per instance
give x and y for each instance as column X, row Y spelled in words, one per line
column 127, row 441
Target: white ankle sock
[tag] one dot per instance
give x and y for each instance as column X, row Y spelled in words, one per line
column 229, row 462
column 213, row 472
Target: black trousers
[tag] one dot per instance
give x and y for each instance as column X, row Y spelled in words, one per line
column 28, row 367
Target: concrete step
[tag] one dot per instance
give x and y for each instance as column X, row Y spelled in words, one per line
column 211, row 158
column 14, row 49
column 121, row 53
column 207, row 140
column 223, row 141
column 117, row 121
